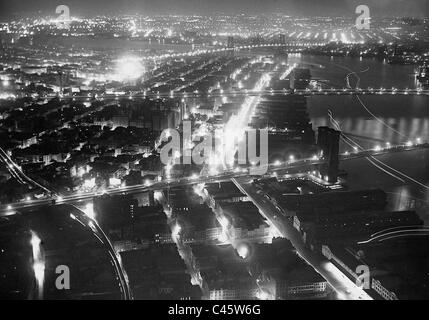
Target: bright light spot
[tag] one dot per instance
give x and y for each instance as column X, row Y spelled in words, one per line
column 277, row 163
column 89, row 183
column 243, row 251
column 92, row 226
column 377, row 148
column 224, row 222
column 341, row 296
column 409, row 144
column 223, row 237
column 129, row 68
column 39, row 271
column 262, row 295
column 157, row 195
column 291, row 157
column 35, row 241
column 214, row 172
column 115, row 182
column 38, row 265
column 28, row 198
column 9, row 207
column 89, row 210
column 176, row 231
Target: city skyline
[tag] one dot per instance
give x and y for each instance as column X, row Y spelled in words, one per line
column 385, row 8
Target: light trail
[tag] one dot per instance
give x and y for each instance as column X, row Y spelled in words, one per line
column 406, row 235
column 353, row 144
column 12, row 165
column 394, row 228
column 38, row 264
column 359, row 146
column 378, row 119
column 288, row 71
column 369, row 158
column 373, row 158
column 391, row 235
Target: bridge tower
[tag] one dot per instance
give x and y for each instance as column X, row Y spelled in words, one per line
column 329, row 141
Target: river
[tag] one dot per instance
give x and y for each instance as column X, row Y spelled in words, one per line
column 394, row 119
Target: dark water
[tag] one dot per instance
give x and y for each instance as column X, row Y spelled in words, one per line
column 398, row 119
column 407, row 115
column 402, row 196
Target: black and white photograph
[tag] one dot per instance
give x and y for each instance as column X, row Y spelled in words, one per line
column 199, row 150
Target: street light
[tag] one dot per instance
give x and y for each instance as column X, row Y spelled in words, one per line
column 243, row 251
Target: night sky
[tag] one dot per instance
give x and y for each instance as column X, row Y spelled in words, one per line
column 416, row 8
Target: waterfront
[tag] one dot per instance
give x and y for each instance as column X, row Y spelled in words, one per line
column 361, row 174
column 407, row 115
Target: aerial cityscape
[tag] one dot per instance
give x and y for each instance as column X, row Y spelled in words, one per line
column 190, row 150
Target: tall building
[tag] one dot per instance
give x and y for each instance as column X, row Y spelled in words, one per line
column 328, row 140
column 282, row 38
